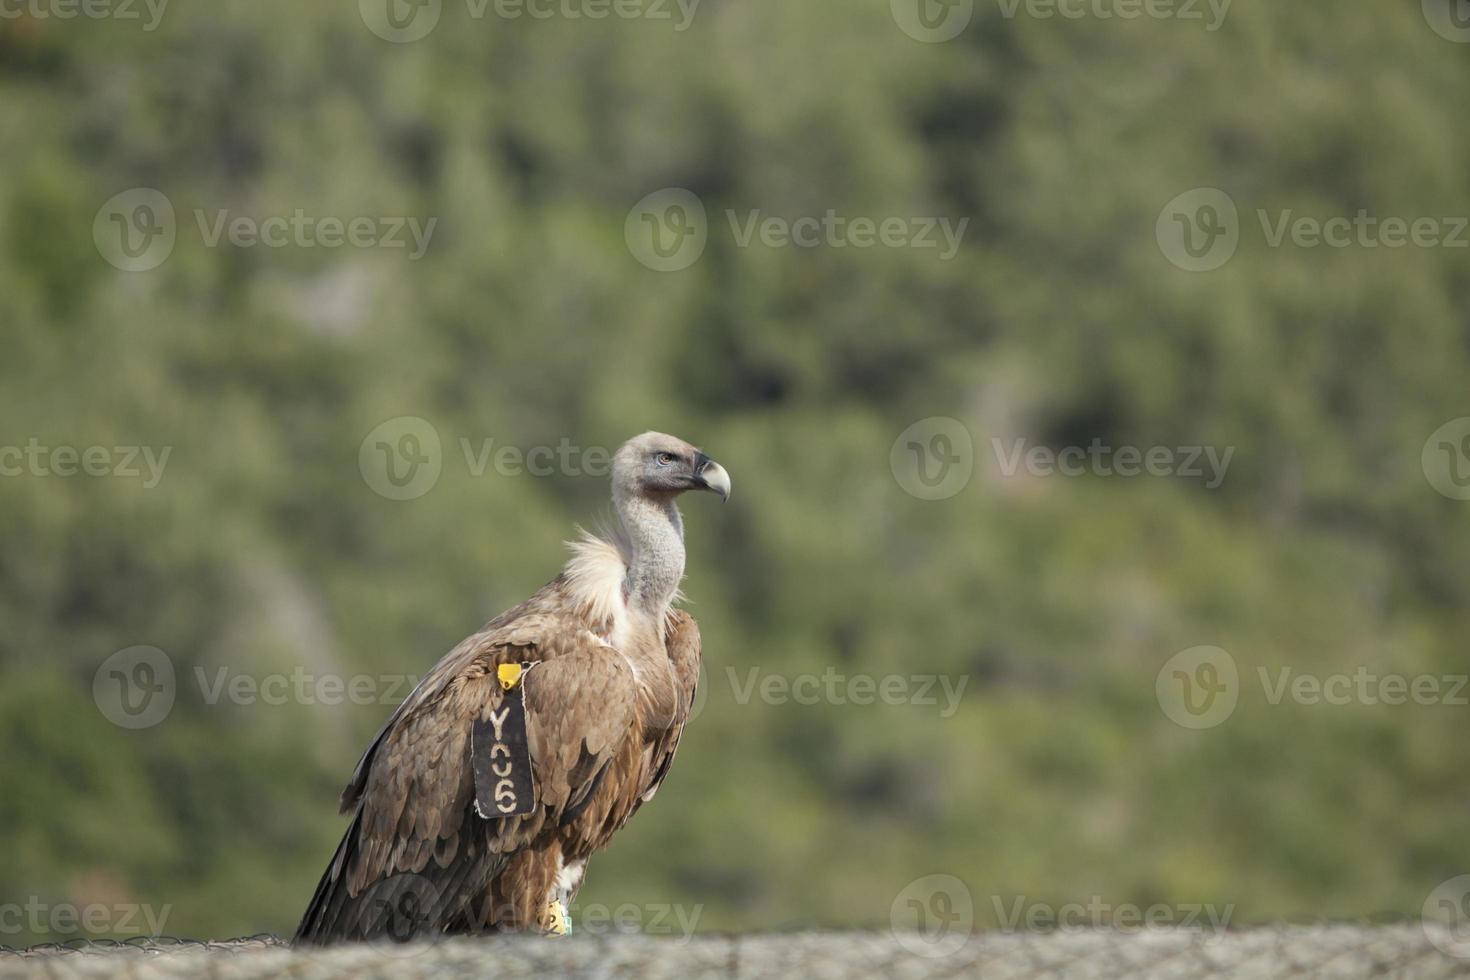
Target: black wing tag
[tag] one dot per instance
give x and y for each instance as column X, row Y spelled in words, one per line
column 504, row 785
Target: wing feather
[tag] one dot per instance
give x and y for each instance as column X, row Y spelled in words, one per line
column 682, row 640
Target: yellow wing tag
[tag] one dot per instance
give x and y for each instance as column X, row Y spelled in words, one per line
column 509, row 674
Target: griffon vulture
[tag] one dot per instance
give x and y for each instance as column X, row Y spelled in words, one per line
column 476, row 807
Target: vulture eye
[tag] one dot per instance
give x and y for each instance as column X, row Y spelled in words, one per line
column 664, row 459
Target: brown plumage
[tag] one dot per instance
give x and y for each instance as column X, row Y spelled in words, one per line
column 610, row 681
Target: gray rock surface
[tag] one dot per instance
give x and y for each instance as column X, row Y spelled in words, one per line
column 1327, row 951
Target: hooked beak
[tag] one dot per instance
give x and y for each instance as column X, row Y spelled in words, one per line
column 711, row 476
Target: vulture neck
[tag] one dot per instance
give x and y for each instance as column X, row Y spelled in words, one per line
column 656, row 565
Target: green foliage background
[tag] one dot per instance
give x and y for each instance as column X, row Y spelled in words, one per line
column 1060, row 321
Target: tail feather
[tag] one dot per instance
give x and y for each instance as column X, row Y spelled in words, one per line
column 405, row 905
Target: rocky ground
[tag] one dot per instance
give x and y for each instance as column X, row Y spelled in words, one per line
column 1327, row 951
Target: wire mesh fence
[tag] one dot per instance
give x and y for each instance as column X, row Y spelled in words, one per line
column 147, row 945
column 1412, row 952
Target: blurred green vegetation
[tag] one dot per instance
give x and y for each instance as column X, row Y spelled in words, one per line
column 263, row 549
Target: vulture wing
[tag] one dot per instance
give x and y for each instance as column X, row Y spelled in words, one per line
column 682, row 640
column 417, row 855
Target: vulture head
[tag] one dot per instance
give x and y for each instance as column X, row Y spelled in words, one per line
column 660, row 466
